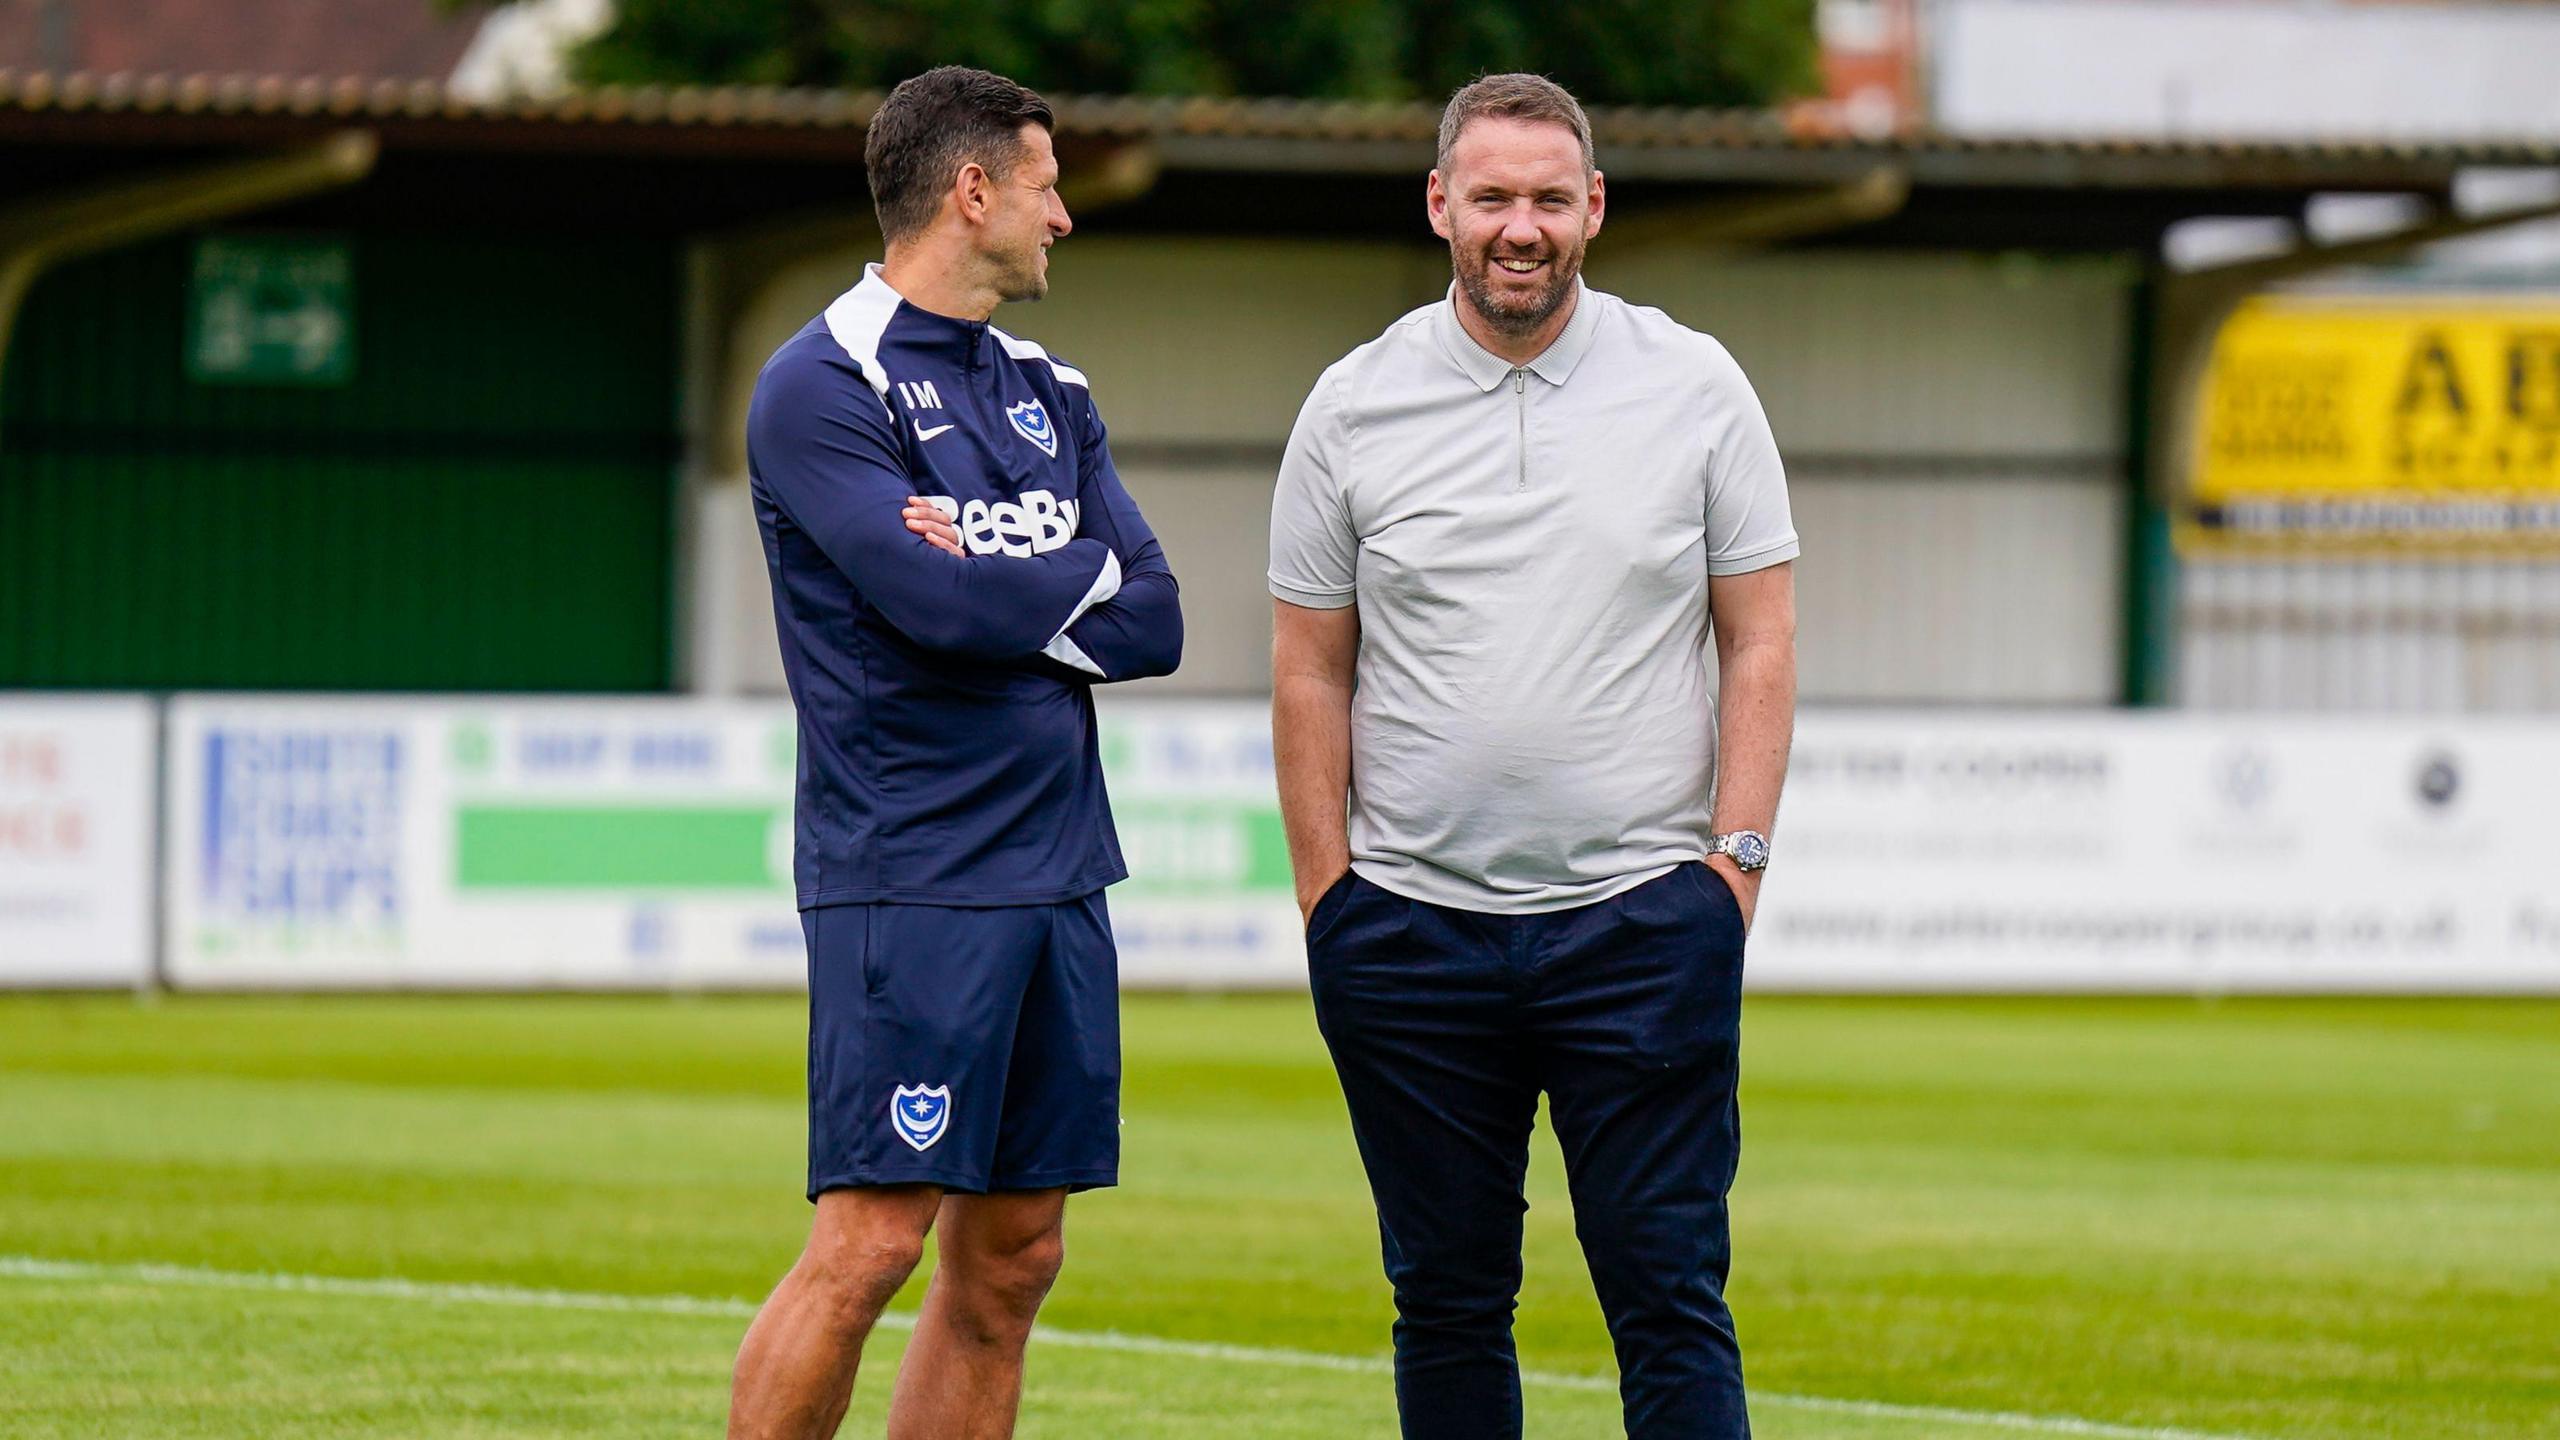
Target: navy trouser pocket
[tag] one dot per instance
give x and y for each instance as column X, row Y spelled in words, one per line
column 1328, row 906
column 1664, row 968
column 1711, row 882
column 1359, row 945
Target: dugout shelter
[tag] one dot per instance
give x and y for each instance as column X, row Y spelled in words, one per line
column 352, row 385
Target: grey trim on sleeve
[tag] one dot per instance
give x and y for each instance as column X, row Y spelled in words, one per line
column 1312, row 599
column 1777, row 553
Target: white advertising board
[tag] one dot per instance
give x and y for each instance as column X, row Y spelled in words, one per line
column 635, row 843
column 75, row 840
column 646, row 843
column 1969, row 851
column 479, row 844
column 1209, row 902
column 2156, row 852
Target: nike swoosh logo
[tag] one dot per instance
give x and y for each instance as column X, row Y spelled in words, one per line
column 924, row 434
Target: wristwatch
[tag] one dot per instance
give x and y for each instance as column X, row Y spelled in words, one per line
column 1749, row 849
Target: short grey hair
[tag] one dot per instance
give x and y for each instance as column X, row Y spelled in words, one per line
column 1514, row 97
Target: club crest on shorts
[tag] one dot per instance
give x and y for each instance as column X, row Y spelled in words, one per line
column 1033, row 421
column 920, row 1114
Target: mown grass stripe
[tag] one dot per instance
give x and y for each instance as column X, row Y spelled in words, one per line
column 29, row 1267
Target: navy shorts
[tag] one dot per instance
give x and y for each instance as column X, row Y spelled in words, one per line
column 976, row 1049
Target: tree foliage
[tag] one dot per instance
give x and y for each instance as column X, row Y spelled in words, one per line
column 1629, row 52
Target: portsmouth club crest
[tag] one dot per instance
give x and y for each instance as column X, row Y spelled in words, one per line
column 920, row 1114
column 1033, row 423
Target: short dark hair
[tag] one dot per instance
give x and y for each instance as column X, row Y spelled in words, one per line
column 1513, row 97
column 933, row 124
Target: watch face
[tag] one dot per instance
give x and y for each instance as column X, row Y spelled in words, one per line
column 1750, row 851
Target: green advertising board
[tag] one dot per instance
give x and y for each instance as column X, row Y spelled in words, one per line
column 271, row 310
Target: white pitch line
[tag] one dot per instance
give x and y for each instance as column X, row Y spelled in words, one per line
column 28, row 1267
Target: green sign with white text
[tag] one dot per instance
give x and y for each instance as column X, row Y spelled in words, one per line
column 271, row 310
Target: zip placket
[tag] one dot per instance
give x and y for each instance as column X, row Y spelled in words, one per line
column 1520, row 413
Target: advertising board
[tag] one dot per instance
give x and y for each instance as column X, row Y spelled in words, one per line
column 76, row 830
column 479, row 844
column 2179, row 853
column 635, row 843
column 2358, row 422
column 646, row 843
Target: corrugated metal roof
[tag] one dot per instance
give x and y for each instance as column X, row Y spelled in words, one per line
column 1310, row 122
column 406, row 39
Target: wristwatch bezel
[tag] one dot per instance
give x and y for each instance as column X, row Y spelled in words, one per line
column 1734, row 845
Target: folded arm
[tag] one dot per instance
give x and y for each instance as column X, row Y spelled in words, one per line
column 1137, row 632
column 825, row 449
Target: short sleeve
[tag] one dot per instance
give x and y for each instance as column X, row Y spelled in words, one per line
column 1314, row 550
column 1749, row 523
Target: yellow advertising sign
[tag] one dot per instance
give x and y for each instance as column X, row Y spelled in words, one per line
column 2358, row 419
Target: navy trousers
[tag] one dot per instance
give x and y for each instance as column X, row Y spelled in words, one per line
column 1445, row 1026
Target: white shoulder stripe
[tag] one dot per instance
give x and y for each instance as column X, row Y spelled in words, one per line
column 858, row 318
column 1021, row 349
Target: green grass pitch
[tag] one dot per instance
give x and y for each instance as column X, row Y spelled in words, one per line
column 1956, row 1218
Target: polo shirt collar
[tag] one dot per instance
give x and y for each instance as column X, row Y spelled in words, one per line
column 1554, row 364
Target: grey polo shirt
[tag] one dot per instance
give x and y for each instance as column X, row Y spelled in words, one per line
column 1533, row 726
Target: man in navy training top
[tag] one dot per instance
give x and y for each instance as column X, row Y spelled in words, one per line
column 955, row 565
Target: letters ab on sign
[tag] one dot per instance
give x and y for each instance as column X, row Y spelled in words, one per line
column 2331, row 419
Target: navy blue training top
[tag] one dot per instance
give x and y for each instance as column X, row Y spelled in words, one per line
column 947, row 746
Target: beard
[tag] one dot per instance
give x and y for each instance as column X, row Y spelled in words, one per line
column 1023, row 280
column 1014, row 270
column 1513, row 312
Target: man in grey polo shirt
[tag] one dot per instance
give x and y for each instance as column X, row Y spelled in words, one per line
column 1504, row 534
